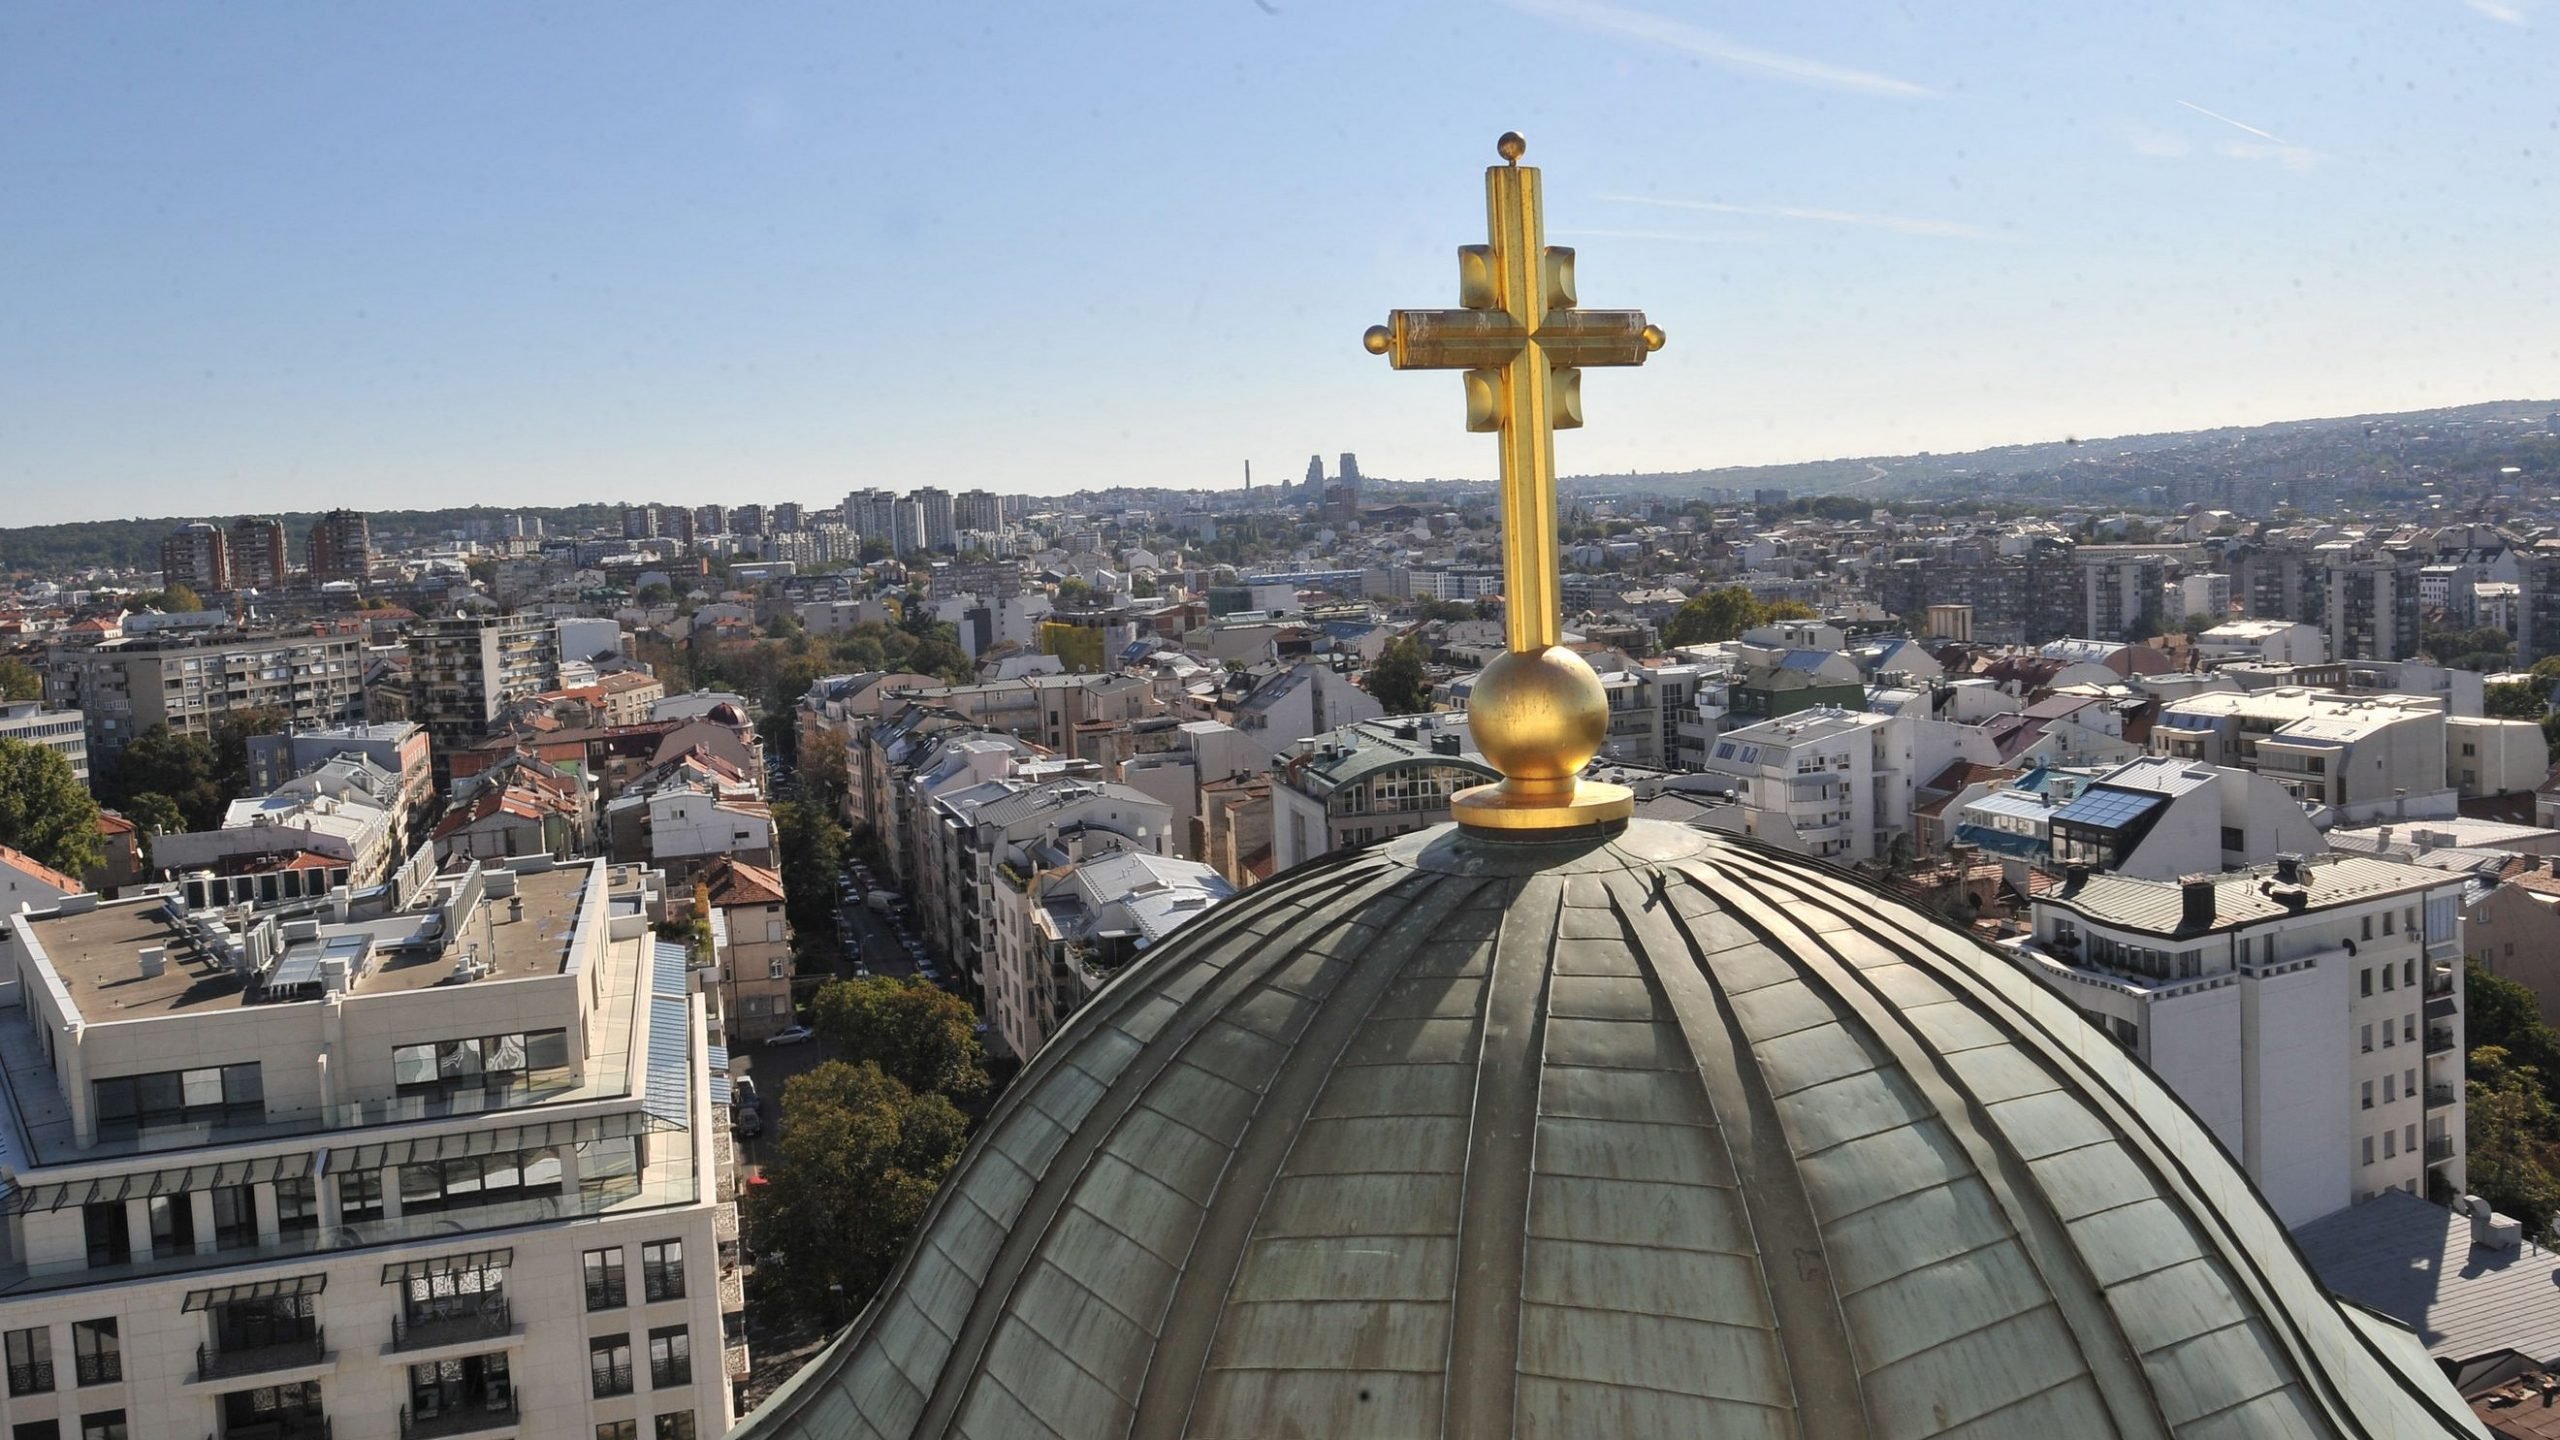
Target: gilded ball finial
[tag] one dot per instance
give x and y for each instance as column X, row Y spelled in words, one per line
column 1512, row 146
column 1653, row 337
column 1376, row 339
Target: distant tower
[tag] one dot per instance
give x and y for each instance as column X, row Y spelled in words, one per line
column 198, row 556
column 1351, row 478
column 1248, row 475
column 257, row 553
column 342, row 546
column 1315, row 479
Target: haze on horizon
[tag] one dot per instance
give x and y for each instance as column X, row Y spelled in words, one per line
column 357, row 253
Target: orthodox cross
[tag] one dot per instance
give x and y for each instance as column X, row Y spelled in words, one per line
column 1538, row 713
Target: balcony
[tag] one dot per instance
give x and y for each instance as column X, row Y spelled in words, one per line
column 99, row 1369
column 2439, row 1039
column 2439, row 1096
column 2439, row 1148
column 299, row 1427
column 2440, row 980
column 469, row 1417
column 289, row 1353
column 426, row 1329
column 31, row 1379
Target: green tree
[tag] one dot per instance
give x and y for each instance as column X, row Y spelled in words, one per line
column 45, row 810
column 180, row 598
column 231, row 734
column 2546, row 672
column 153, row 814
column 860, row 1157
column 824, row 777
column 2511, row 1140
column 923, row 1035
column 1431, row 609
column 19, row 680
column 1073, row 592
column 1712, row 616
column 1397, row 679
column 181, row 767
column 812, row 846
column 1143, row 588
column 2514, row 700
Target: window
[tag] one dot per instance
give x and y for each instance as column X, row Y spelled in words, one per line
column 2409, row 1027
column 97, row 1355
column 2388, row 976
column 214, row 1095
column 2409, row 1136
column 675, row 1425
column 474, row 1180
column 2368, row 1149
column 36, row 1430
column 235, row 1218
column 2390, row 1143
column 670, row 1358
column 2368, row 1095
column 30, row 1360
column 108, row 1230
column 604, row 1278
column 2233, row 838
column 2409, row 1082
column 2409, row 971
column 104, row 1425
column 2368, row 927
column 359, row 1197
column 2443, row 913
column 2364, row 981
column 777, row 970
column 618, row 1430
column 662, row 1270
column 468, row 1385
column 609, row 1364
column 297, row 1205
column 2387, row 919
column 2368, row 1038
column 494, row 1062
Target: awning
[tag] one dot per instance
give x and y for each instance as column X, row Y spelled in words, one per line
column 668, row 967
column 667, row 1091
column 476, row 1261
column 717, row 1056
column 262, row 1290
column 428, row 1149
column 720, row 1093
column 142, row 1185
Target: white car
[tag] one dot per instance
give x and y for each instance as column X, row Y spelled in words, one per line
column 796, row 1035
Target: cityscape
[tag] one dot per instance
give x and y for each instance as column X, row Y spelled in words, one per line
column 684, row 754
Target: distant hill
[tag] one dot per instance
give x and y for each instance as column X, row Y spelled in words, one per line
column 2456, row 440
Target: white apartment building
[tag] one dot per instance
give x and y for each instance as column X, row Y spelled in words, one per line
column 1064, row 924
column 447, row 1167
column 1808, row 782
column 2370, row 757
column 1366, row 782
column 2307, row 1011
column 2270, row 642
column 62, row 731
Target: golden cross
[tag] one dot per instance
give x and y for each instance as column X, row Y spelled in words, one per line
column 1538, row 713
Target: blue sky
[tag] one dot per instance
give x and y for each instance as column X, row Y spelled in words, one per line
column 285, row 255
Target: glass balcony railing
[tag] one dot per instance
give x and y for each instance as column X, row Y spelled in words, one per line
column 2439, row 1148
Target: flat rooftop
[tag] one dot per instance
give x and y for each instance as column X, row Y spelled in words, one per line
column 515, row 947
column 97, row 954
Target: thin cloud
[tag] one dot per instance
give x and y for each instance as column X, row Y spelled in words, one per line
column 2500, row 11
column 2291, row 157
column 1679, row 236
column 2158, row 144
column 1688, row 39
column 1899, row 224
column 2227, row 120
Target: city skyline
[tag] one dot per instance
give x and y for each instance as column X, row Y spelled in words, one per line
column 320, row 256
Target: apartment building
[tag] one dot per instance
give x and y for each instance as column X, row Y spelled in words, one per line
column 2308, row 1011
column 1811, row 782
column 751, row 941
column 1363, row 783
column 1066, row 921
column 452, row 1165
column 258, row 553
column 198, row 556
column 981, row 828
column 65, row 732
column 190, row 679
column 464, row 669
column 2160, row 819
column 2369, row 757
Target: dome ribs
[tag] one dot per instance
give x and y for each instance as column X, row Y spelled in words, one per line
column 1188, row 1390
column 1833, row 956
column 2203, row 1375
column 1237, row 957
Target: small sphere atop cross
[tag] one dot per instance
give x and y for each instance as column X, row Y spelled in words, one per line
column 1512, row 146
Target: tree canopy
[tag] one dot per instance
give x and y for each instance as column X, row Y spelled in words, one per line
column 184, row 768
column 1397, row 679
column 812, row 855
column 2514, row 701
column 1712, row 616
column 2512, row 1130
column 922, row 1035
column 45, row 810
column 860, row 1156
column 19, row 680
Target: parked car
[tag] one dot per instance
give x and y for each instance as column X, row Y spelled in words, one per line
column 796, row 1035
column 742, row 1093
column 750, row 1123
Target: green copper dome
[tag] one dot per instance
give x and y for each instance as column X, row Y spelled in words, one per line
column 1662, row 1135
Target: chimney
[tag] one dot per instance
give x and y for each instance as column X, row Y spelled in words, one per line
column 2195, row 909
column 2073, row 877
column 2289, row 869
